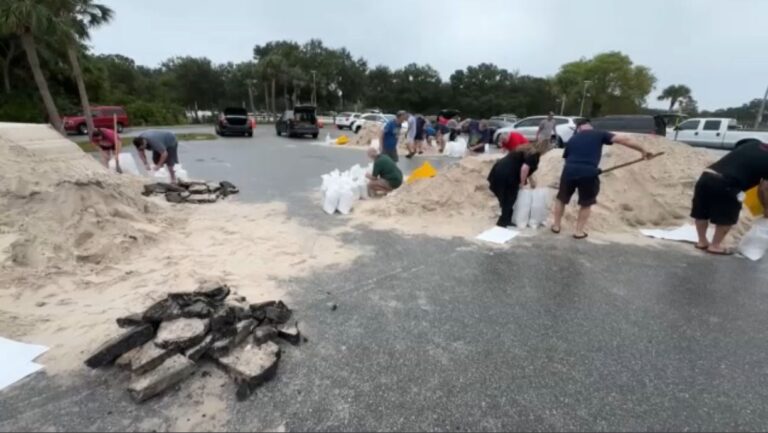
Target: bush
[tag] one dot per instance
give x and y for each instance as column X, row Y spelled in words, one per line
column 19, row 107
column 151, row 113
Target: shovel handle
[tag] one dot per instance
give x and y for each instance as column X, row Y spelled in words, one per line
column 626, row 164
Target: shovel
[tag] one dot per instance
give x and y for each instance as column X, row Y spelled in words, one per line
column 626, row 164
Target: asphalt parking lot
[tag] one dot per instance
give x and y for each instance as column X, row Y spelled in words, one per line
column 435, row 334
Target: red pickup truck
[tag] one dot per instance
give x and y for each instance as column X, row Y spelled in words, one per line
column 103, row 117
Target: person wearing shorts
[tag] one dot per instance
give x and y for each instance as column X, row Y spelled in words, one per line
column 581, row 172
column 164, row 147
column 386, row 176
column 421, row 133
column 716, row 194
column 109, row 145
column 410, row 136
column 391, row 134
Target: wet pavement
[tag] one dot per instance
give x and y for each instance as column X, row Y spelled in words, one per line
column 434, row 334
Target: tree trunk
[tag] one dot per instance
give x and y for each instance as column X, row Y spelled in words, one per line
column 78, row 73
column 285, row 95
column 266, row 97
column 28, row 42
column 274, row 104
column 7, row 75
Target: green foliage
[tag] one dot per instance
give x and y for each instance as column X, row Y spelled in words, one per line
column 676, row 93
column 615, row 85
column 154, row 113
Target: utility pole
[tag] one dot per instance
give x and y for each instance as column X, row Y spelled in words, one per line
column 584, row 97
column 562, row 105
column 314, row 87
column 759, row 119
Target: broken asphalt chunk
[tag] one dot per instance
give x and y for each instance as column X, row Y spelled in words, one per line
column 214, row 291
column 130, row 321
column 168, row 374
column 180, row 334
column 117, row 346
column 195, row 353
column 148, row 357
column 198, row 309
column 290, row 334
column 162, row 310
column 250, row 366
column 278, row 314
column 263, row 334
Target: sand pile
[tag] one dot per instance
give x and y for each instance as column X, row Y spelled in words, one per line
column 369, row 132
column 650, row 194
column 59, row 207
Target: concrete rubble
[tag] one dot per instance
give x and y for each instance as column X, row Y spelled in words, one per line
column 164, row 344
column 194, row 192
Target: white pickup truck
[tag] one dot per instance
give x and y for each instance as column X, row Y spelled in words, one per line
column 719, row 133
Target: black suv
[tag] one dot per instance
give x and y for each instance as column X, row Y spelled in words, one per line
column 234, row 120
column 638, row 124
column 302, row 120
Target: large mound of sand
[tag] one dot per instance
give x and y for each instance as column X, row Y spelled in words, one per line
column 654, row 193
column 58, row 206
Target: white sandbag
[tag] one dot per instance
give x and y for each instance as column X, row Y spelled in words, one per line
column 346, row 201
column 127, row 164
column 331, row 199
column 539, row 207
column 522, row 210
column 456, row 149
column 162, row 175
column 326, row 180
column 755, row 243
column 362, row 187
column 375, row 144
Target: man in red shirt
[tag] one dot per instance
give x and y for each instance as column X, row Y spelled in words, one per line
column 513, row 141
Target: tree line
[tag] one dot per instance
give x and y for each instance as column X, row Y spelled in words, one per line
column 47, row 69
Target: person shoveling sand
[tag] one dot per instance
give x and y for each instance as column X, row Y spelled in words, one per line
column 457, row 201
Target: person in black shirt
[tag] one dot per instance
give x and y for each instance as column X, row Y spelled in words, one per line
column 715, row 197
column 508, row 175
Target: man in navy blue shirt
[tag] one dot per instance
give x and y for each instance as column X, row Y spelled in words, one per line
column 391, row 134
column 582, row 170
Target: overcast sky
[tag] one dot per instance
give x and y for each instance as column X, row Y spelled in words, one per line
column 717, row 47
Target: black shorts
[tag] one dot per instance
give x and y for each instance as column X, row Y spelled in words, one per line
column 173, row 156
column 588, row 187
column 716, row 200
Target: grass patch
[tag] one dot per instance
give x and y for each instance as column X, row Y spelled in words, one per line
column 87, row 146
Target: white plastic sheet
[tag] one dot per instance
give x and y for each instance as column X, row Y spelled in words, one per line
column 17, row 361
column 497, row 235
column 685, row 233
column 162, row 175
column 127, row 164
column 522, row 211
column 755, row 243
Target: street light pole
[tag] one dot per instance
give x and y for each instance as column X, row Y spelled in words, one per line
column 584, row 97
column 759, row 119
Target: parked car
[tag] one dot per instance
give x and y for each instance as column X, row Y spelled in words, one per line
column 302, row 120
column 358, row 124
column 103, row 117
column 721, row 133
column 528, row 127
column 506, row 118
column 234, row 121
column 638, row 124
column 345, row 120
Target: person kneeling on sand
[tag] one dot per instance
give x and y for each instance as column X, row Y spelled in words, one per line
column 386, row 176
column 715, row 197
column 581, row 171
column 164, row 147
column 508, row 175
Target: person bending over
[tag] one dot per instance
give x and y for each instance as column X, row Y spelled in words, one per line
column 164, row 147
column 508, row 175
column 386, row 176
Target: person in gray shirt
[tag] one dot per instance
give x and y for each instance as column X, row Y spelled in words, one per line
column 546, row 134
column 164, row 147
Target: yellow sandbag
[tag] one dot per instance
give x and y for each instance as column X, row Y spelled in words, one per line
column 752, row 202
column 342, row 140
column 424, row 172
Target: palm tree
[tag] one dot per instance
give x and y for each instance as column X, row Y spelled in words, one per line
column 78, row 18
column 26, row 19
column 675, row 93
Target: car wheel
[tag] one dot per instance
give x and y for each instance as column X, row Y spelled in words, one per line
column 249, row 134
column 82, row 129
column 277, row 130
column 560, row 143
column 315, row 135
column 120, row 128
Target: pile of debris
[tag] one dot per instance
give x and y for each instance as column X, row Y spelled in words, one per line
column 195, row 192
column 163, row 345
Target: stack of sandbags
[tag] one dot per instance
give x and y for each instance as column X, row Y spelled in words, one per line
column 342, row 189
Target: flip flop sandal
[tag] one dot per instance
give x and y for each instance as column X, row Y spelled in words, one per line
column 581, row 237
column 699, row 247
column 725, row 252
column 555, row 231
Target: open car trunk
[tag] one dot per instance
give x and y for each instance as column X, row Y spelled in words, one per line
column 305, row 116
column 236, row 116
